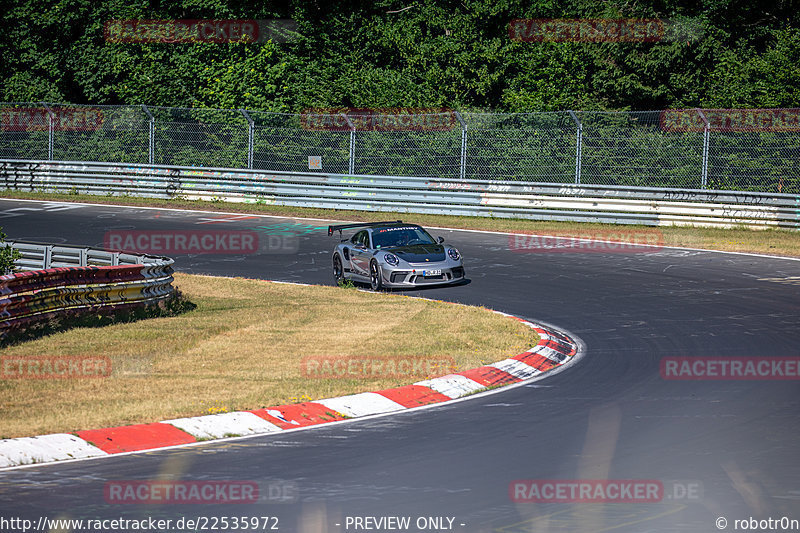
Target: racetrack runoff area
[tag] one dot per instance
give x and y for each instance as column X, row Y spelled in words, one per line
column 249, row 344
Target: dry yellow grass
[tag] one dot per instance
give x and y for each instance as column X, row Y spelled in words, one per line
column 243, row 348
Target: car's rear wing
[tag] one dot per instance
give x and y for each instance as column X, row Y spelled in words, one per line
column 340, row 227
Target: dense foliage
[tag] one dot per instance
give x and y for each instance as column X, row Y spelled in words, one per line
column 8, row 256
column 378, row 54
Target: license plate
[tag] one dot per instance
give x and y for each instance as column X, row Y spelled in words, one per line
column 428, row 273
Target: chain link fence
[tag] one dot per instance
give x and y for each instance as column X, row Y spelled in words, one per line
column 754, row 150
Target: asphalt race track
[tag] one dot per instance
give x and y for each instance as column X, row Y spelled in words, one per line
column 720, row 448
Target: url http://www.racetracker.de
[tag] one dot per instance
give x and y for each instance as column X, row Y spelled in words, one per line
column 177, row 525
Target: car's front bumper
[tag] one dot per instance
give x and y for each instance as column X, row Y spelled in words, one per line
column 420, row 276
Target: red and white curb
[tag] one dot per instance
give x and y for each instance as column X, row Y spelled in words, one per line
column 554, row 350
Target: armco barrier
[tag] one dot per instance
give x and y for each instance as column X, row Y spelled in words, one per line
column 44, row 256
column 484, row 198
column 66, row 281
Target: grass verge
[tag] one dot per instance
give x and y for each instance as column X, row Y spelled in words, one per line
column 88, row 318
column 244, row 347
column 769, row 241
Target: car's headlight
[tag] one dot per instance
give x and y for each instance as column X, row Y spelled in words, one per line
column 453, row 253
column 391, row 259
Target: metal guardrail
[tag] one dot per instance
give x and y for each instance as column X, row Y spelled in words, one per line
column 486, row 198
column 44, row 256
column 70, row 281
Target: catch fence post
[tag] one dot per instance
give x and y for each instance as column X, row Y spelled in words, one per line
column 50, row 130
column 463, row 160
column 151, row 132
column 250, row 134
column 351, row 167
column 706, row 140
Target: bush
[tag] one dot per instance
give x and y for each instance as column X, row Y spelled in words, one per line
column 7, row 256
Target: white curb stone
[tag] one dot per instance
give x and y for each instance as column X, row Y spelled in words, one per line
column 453, row 386
column 516, row 368
column 362, row 404
column 44, row 449
column 554, row 355
column 223, row 424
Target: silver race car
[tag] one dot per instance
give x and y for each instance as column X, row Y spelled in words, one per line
column 394, row 255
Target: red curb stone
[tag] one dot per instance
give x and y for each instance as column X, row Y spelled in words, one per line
column 136, row 437
column 537, row 361
column 489, row 376
column 413, row 395
column 304, row 414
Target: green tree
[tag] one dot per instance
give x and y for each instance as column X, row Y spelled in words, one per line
column 452, row 53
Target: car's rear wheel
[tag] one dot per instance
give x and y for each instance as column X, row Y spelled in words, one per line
column 375, row 279
column 338, row 271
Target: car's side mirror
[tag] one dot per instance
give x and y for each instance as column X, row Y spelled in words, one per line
column 440, row 239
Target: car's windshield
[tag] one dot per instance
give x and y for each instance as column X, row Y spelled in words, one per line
column 400, row 236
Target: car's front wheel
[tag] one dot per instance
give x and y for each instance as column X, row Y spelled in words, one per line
column 375, row 279
column 338, row 271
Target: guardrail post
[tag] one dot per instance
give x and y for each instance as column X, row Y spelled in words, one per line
column 706, row 139
column 84, row 257
column 351, row 167
column 47, row 257
column 462, row 172
column 250, row 135
column 578, row 147
column 151, row 141
column 50, row 130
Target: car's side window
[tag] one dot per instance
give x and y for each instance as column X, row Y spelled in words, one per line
column 360, row 238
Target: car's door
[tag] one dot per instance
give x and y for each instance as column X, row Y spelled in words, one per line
column 359, row 253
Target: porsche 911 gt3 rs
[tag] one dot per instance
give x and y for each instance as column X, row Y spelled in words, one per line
column 394, row 255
